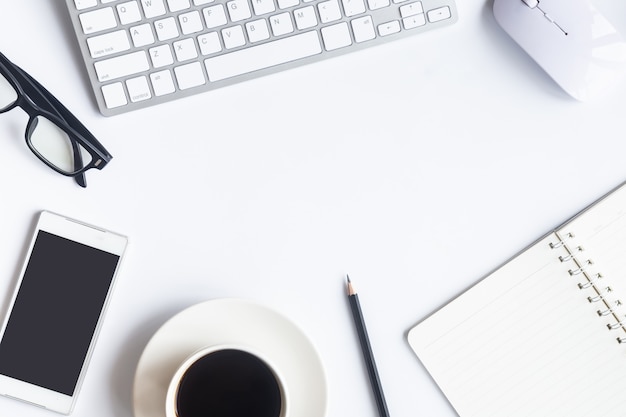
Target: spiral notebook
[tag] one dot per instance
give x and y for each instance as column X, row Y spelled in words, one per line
column 544, row 334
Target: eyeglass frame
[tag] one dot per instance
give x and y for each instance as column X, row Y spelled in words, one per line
column 36, row 101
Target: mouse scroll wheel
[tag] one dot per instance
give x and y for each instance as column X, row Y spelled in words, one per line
column 531, row 3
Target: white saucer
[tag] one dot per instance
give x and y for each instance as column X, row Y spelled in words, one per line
column 226, row 321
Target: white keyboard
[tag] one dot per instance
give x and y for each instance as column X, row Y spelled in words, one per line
column 144, row 52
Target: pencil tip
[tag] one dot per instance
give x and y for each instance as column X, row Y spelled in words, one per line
column 350, row 287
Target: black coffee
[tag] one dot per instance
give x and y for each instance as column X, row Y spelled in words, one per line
column 228, row 383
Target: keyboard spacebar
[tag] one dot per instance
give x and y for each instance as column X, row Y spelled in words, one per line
column 263, row 56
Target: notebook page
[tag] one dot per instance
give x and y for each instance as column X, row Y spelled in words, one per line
column 525, row 341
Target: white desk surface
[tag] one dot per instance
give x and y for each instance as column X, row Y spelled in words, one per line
column 416, row 167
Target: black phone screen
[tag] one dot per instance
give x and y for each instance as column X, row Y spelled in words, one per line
column 56, row 312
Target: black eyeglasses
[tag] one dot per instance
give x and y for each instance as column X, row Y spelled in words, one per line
column 53, row 133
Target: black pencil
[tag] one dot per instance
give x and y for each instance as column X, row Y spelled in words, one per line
column 367, row 350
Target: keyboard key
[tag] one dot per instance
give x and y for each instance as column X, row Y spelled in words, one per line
column 353, row 7
column 233, row 37
column 85, row 4
column 389, row 28
column 190, row 23
column 411, row 9
column 363, row 29
column 98, row 20
column 414, row 21
column 108, row 44
column 166, row 29
column 257, row 30
column 122, row 66
column 189, row 76
column 209, row 43
column 329, row 11
column 284, row 4
column 437, row 15
column 114, row 95
column 138, row 89
column 128, row 12
column 336, row 36
column 238, row 10
column 378, row 4
column 214, row 16
column 161, row 56
column 262, row 7
column 142, row 35
column 185, row 50
column 178, row 5
column 263, row 56
column 305, row 17
column 153, row 8
column 281, row 24
column 162, row 83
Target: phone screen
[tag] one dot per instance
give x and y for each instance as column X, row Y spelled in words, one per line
column 56, row 311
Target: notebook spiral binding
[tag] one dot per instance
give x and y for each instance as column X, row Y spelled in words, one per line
column 591, row 281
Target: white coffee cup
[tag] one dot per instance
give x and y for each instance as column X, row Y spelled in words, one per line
column 226, row 380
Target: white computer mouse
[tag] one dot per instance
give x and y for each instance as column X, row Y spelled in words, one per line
column 570, row 39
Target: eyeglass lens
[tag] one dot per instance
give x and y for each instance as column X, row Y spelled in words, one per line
column 53, row 144
column 8, row 95
column 47, row 139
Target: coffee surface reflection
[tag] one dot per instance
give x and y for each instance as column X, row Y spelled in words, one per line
column 229, row 383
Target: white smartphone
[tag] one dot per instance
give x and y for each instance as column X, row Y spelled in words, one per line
column 56, row 311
